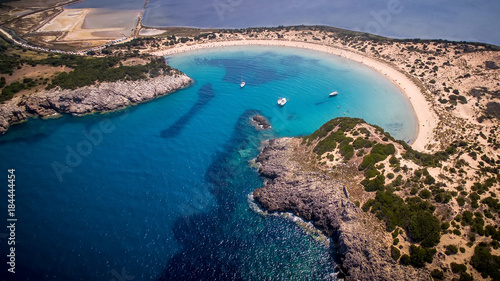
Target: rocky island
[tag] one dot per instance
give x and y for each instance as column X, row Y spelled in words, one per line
column 260, row 122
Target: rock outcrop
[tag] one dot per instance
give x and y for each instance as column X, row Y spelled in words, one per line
column 103, row 97
column 260, row 122
column 292, row 186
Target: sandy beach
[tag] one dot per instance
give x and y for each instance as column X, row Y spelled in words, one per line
column 427, row 120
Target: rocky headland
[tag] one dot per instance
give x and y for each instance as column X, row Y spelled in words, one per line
column 101, row 97
column 387, row 216
column 293, row 187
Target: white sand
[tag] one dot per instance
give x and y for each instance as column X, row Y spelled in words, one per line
column 67, row 20
column 150, row 32
column 427, row 120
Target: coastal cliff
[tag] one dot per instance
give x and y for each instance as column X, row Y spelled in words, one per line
column 101, row 97
column 390, row 211
column 293, row 186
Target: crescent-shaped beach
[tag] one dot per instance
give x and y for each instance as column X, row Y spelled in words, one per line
column 427, row 120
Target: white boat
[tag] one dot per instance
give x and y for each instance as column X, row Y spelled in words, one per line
column 282, row 101
column 332, row 94
column 242, row 84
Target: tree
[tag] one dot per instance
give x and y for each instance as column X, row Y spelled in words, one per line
column 486, row 263
column 419, row 256
column 395, row 253
column 425, row 228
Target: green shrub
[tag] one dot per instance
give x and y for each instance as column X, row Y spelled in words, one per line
column 371, row 172
column 395, row 253
column 86, row 71
column 393, row 160
column 378, row 153
column 464, row 276
column 437, row 274
column 415, row 216
column 361, row 143
column 429, row 180
column 366, row 207
column 346, row 150
column 462, row 99
column 424, row 228
column 457, row 268
column 398, row 181
column 486, row 263
column 405, row 259
column 451, row 250
column 445, row 225
column 442, row 196
column 375, row 184
column 424, row 194
column 383, row 150
column 10, row 90
column 368, row 161
column 419, row 256
column 467, row 217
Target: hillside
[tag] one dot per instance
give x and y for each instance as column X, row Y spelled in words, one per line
column 377, row 198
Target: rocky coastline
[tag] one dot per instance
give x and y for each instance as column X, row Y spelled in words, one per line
column 293, row 186
column 102, row 97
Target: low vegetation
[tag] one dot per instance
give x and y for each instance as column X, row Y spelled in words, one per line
column 83, row 70
column 412, row 203
column 87, row 71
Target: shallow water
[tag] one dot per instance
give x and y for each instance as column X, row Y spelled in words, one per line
column 159, row 191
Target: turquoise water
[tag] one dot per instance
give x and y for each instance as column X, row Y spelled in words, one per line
column 159, row 191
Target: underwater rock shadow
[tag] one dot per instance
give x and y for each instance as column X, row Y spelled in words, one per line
column 205, row 94
column 204, row 246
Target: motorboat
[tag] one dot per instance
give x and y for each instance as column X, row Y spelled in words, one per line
column 282, row 101
column 332, row 94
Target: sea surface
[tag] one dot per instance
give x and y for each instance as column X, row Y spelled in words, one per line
column 159, row 191
column 461, row 20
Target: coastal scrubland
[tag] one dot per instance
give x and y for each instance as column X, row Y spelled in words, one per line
column 433, row 217
column 69, row 71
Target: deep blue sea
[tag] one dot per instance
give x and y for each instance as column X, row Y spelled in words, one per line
column 461, row 20
column 159, row 191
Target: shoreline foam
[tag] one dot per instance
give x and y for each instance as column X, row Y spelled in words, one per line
column 426, row 118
